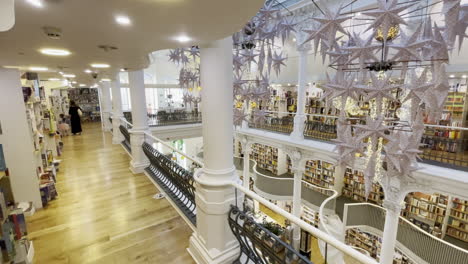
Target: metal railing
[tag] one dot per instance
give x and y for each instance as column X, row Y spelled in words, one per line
column 175, row 180
column 275, row 122
column 412, row 241
column 163, row 118
column 124, row 129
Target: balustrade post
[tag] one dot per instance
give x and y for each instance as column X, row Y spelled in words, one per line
column 247, row 149
column 213, row 241
column 139, row 121
column 298, row 170
column 106, row 106
column 300, row 117
column 117, row 112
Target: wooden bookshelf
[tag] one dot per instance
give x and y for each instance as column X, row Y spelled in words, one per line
column 458, row 220
column 269, row 158
column 310, row 216
column 319, row 173
column 354, row 188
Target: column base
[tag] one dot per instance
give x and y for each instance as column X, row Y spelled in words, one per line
column 299, row 125
column 202, row 256
column 138, row 168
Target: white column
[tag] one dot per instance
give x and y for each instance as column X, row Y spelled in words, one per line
column 17, row 141
column 390, row 231
column 106, row 106
column 139, row 120
column 117, row 113
column 213, row 242
column 300, row 118
column 297, row 196
column 246, row 173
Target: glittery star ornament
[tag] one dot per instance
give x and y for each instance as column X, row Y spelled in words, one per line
column 239, row 116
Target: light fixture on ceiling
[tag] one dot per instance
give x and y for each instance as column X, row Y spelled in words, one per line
column 54, row 79
column 36, row 3
column 294, row 39
column 69, row 75
column 123, row 20
column 464, row 76
column 55, row 52
column 38, row 69
column 88, row 71
column 105, row 80
column 100, row 65
column 452, row 76
column 61, row 73
column 122, row 70
column 82, row 85
column 183, row 38
column 358, row 14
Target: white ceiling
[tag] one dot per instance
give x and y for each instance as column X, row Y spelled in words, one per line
column 88, row 23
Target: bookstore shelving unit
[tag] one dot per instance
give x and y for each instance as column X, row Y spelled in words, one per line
column 269, row 158
column 354, row 188
column 458, row 220
column 319, row 173
column 59, row 102
column 372, row 244
column 88, row 100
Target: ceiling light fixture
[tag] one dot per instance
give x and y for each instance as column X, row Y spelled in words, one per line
column 82, row 85
column 55, row 52
column 88, row 71
column 452, row 76
column 54, row 79
column 464, row 76
column 36, row 3
column 100, row 65
column 69, row 75
column 123, row 20
column 183, row 38
column 122, row 70
column 38, row 68
column 105, row 80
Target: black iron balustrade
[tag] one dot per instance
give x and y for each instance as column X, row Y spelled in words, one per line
column 126, row 134
column 283, row 124
column 445, row 147
column 177, row 182
column 320, row 130
column 258, row 244
column 163, row 118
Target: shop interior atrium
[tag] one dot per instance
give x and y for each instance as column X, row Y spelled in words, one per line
column 245, row 131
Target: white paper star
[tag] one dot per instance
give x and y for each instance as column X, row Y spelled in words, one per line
column 417, row 87
column 363, row 50
column 259, row 116
column 278, row 60
column 330, row 24
column 341, row 86
column 373, row 128
column 408, row 49
column 239, row 116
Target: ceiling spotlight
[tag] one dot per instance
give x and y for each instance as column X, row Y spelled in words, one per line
column 36, row 3
column 69, row 75
column 464, row 76
column 54, row 79
column 122, row 70
column 74, row 82
column 88, row 71
column 358, row 14
column 452, row 76
column 61, row 73
column 294, row 39
column 55, row 52
column 183, row 38
column 123, row 20
column 82, row 85
column 38, row 68
column 100, row 65
column 105, row 80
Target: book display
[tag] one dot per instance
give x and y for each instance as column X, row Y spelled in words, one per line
column 354, row 188
column 372, row 244
column 88, row 100
column 310, row 216
column 319, row 173
column 59, row 102
column 458, row 220
column 269, row 158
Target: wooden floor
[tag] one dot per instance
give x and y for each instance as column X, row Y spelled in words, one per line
column 104, row 213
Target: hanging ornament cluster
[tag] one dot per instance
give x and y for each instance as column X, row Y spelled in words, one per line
column 189, row 76
column 257, row 54
column 386, row 63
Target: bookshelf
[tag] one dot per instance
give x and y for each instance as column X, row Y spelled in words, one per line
column 310, row 216
column 372, row 244
column 319, row 173
column 269, row 158
column 458, row 220
column 354, row 188
column 88, row 100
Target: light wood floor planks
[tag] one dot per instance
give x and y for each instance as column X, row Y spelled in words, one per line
column 104, row 213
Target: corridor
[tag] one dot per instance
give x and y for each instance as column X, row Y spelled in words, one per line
column 104, row 213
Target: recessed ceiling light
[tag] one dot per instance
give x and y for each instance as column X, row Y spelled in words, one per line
column 36, row 3
column 358, row 14
column 122, row 70
column 61, row 72
column 123, row 20
column 105, row 80
column 38, row 68
column 55, row 52
column 452, row 76
column 74, row 82
column 68, row 75
column 82, row 85
column 88, row 71
column 464, row 76
column 100, row 65
column 183, row 38
column 294, row 39
column 54, row 79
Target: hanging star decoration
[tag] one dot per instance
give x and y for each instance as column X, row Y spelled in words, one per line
column 194, row 52
column 451, row 12
column 373, row 128
column 381, row 87
column 174, row 56
column 259, row 116
column 278, row 61
column 402, row 153
column 386, row 16
column 249, row 57
column 286, row 27
column 435, row 97
column 239, row 117
column 458, row 30
column 362, row 49
column 347, row 147
column 341, row 86
column 330, row 24
column 417, row 87
column 339, row 56
column 238, row 62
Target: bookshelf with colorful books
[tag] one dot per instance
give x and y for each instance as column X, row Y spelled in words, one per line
column 269, row 158
column 354, row 188
column 319, row 173
column 458, row 220
column 88, row 100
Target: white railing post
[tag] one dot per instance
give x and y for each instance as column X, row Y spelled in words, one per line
column 213, row 242
column 297, row 195
column 139, row 119
column 117, row 113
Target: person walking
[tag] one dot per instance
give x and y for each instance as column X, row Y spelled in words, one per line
column 75, row 113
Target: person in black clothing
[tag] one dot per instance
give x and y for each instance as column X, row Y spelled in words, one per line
column 75, row 118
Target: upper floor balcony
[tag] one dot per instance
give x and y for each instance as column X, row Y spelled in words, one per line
column 158, row 118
